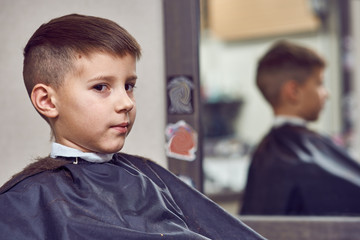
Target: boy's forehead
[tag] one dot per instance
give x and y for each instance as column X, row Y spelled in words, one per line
column 317, row 75
column 93, row 54
column 84, row 64
column 319, row 72
column 81, row 60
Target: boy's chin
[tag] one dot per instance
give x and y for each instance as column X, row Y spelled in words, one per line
column 114, row 149
column 312, row 118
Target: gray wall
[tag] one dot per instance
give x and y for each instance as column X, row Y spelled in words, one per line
column 24, row 135
column 355, row 10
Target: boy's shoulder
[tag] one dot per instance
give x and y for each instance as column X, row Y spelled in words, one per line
column 135, row 160
column 286, row 145
column 40, row 165
column 292, row 145
column 51, row 165
column 289, row 133
column 146, row 166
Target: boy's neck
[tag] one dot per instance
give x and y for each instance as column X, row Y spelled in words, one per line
column 287, row 110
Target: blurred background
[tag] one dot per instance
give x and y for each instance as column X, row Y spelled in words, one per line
column 234, row 35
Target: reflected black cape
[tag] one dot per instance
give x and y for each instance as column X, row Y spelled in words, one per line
column 295, row 171
column 126, row 198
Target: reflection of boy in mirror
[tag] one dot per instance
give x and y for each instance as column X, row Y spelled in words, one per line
column 80, row 72
column 296, row 171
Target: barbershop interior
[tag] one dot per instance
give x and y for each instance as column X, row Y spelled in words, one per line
column 196, row 77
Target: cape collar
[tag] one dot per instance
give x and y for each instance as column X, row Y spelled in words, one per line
column 59, row 150
column 281, row 120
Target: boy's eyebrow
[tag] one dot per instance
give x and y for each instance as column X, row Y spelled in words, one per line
column 132, row 78
column 111, row 78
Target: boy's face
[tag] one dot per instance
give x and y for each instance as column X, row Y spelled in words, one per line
column 313, row 96
column 96, row 105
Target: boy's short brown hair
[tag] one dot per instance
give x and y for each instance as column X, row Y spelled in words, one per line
column 52, row 49
column 285, row 61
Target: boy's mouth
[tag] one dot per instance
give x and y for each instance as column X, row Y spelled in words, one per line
column 121, row 128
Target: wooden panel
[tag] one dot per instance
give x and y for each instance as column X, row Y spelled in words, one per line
column 241, row 19
column 305, row 228
column 181, row 18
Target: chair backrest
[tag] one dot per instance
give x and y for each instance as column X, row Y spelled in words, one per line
column 296, row 228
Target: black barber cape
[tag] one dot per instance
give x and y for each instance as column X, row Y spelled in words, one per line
column 295, row 171
column 126, row 198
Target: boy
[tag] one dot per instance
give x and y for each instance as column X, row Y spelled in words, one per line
column 80, row 74
column 295, row 171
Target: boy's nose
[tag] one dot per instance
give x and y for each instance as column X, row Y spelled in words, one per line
column 124, row 103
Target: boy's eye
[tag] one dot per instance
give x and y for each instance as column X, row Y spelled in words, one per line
column 100, row 87
column 129, row 87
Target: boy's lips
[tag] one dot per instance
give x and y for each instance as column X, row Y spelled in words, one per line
column 121, row 128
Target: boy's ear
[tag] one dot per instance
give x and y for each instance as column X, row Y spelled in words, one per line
column 291, row 91
column 43, row 99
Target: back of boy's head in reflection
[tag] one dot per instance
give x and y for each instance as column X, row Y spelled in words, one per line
column 290, row 77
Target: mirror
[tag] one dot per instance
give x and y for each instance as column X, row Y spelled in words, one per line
column 234, row 35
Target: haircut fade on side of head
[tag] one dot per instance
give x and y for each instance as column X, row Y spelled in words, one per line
column 285, row 61
column 52, row 49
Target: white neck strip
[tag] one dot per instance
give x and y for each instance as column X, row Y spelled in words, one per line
column 59, row 150
column 281, row 120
